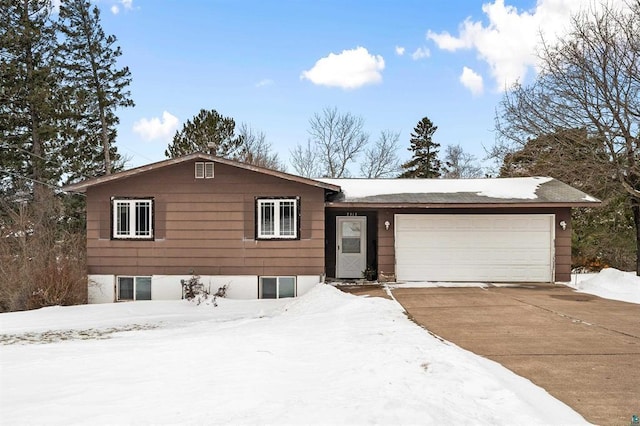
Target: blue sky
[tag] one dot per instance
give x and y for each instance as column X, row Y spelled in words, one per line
column 273, row 64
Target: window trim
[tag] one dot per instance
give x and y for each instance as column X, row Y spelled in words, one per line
column 205, row 166
column 258, row 217
column 135, row 285
column 131, row 236
column 278, row 277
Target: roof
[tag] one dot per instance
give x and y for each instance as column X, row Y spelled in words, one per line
column 490, row 192
column 83, row 185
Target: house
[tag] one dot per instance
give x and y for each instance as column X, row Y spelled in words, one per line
column 270, row 234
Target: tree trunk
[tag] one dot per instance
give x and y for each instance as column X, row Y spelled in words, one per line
column 37, row 160
column 105, row 142
column 635, row 207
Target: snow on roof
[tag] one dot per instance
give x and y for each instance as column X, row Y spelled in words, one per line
column 508, row 188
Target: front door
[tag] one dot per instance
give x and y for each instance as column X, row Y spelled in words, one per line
column 351, row 247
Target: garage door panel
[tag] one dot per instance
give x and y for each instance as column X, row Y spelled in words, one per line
column 452, row 256
column 482, row 273
column 474, row 247
column 459, row 240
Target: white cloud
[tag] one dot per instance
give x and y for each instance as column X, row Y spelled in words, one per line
column 349, row 70
column 508, row 42
column 420, row 53
column 126, row 4
column 472, row 81
column 265, row 82
column 399, row 50
column 156, row 128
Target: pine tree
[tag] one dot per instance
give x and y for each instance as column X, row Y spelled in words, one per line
column 96, row 88
column 206, row 132
column 29, row 142
column 425, row 162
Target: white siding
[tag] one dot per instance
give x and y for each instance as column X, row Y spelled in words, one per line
column 168, row 287
column 102, row 289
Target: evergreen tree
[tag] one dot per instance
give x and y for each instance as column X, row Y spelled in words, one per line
column 29, row 153
column 96, row 88
column 425, row 162
column 206, row 132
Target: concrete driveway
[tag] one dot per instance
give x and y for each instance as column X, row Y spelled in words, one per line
column 582, row 349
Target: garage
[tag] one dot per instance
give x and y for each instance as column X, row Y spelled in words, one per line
column 474, row 247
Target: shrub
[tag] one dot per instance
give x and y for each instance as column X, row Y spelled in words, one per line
column 41, row 263
column 194, row 291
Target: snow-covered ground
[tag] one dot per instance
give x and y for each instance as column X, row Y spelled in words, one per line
column 326, row 357
column 609, row 283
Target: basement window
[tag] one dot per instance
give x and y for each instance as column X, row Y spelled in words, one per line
column 204, row 170
column 277, row 287
column 134, row 288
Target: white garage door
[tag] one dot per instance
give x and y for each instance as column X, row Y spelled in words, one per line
column 517, row 248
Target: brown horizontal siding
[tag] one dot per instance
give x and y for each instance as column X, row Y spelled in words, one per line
column 197, row 198
column 196, row 263
column 206, row 270
column 259, row 247
column 563, row 245
column 205, row 226
column 208, row 216
column 258, row 251
column 386, row 245
column 204, row 206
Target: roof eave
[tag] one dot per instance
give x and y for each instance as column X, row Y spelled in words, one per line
column 82, row 186
column 347, row 204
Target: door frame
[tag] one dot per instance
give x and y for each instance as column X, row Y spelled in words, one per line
column 363, row 242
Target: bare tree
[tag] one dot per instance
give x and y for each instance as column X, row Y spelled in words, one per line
column 381, row 160
column 601, row 236
column 41, row 262
column 255, row 149
column 335, row 141
column 305, row 161
column 460, row 164
column 589, row 80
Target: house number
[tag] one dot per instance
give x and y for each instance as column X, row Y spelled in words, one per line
column 352, row 214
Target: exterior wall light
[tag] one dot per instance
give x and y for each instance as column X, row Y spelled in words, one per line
column 386, row 225
column 563, row 225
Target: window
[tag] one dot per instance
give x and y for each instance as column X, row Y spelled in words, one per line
column 133, row 219
column 134, row 288
column 277, row 218
column 277, row 287
column 204, row 170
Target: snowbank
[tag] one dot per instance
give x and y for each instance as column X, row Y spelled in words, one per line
column 324, row 358
column 609, row 283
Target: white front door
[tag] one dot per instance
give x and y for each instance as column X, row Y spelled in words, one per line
column 351, row 247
